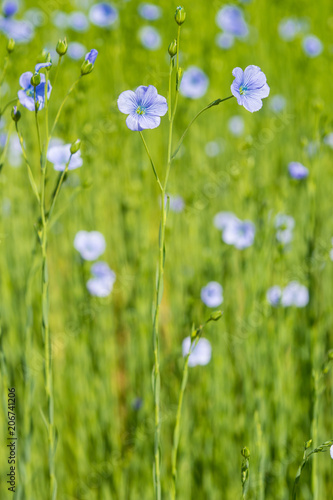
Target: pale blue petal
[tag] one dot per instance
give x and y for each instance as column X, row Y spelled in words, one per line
column 127, row 102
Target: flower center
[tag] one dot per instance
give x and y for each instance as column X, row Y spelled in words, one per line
column 141, row 110
column 30, row 91
column 242, row 90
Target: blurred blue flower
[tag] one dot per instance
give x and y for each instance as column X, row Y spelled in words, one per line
column 26, row 96
column 137, row 404
column 149, row 11
column 277, row 103
column 40, row 66
column 150, row 38
column 77, row 21
column 312, row 46
column 249, row 87
column 76, row 50
column 231, row 20
column 236, row 125
column 101, row 284
column 201, row 353
column 103, row 14
column 274, row 295
column 222, row 219
column 144, row 107
column 194, row 83
column 284, row 225
column 212, row 294
column 295, row 294
column 20, row 31
column 9, row 8
column 224, row 40
column 239, row 233
column 289, row 28
column 328, row 140
column 90, row 245
column 213, row 148
column 297, row 170
column 91, row 56
column 59, row 155
column 176, row 203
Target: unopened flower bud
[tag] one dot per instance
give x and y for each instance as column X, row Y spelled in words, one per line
column 245, row 452
column 89, row 61
column 180, row 15
column 179, row 77
column 35, row 80
column 10, row 45
column 172, row 49
column 75, row 146
column 62, row 47
column 16, row 115
column 216, row 315
column 307, row 444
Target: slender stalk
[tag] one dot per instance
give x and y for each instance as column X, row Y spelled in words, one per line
column 58, row 187
column 214, row 103
column 30, row 174
column 12, row 101
column 151, row 162
column 176, row 434
column 37, row 124
column 63, row 103
column 57, row 71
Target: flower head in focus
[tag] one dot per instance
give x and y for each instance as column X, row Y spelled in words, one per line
column 26, row 94
column 201, row 353
column 91, row 244
column 144, row 107
column 250, row 87
column 89, row 62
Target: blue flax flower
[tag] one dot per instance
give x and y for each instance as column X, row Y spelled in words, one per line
column 9, row 8
column 212, row 294
column 150, row 38
column 149, row 11
column 297, row 170
column 249, row 87
column 91, row 244
column 230, row 19
column 194, row 83
column 201, row 353
column 103, row 280
column 312, row 46
column 91, row 56
column 26, row 94
column 60, row 155
column 144, row 107
column 103, row 14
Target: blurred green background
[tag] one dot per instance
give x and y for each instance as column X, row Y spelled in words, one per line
column 259, row 388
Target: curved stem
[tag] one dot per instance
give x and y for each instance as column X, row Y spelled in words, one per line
column 37, row 124
column 63, row 103
column 30, row 174
column 151, row 161
column 58, row 187
column 214, row 103
column 12, row 101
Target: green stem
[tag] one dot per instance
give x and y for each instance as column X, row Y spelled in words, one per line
column 30, row 174
column 151, row 162
column 37, row 124
column 57, row 71
column 214, row 103
column 12, row 101
column 63, row 103
column 58, row 187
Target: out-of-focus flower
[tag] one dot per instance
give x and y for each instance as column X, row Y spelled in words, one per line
column 239, row 233
column 176, row 203
column 222, row 219
column 328, row 140
column 103, row 14
column 201, row 353
column 250, row 87
column 59, row 155
column 277, row 103
column 295, row 294
column 289, row 28
column 144, row 107
column 213, row 148
column 224, row 40
column 90, row 245
column 44, row 65
column 236, row 125
column 26, row 95
column 284, row 225
column 312, row 46
column 331, row 451
column 101, row 284
column 297, row 170
column 149, row 11
column 194, row 83
column 231, row 20
column 150, row 38
column 77, row 21
column 212, row 294
column 59, row 19
column 274, row 295
column 9, row 8
column 76, row 50
column 20, row 31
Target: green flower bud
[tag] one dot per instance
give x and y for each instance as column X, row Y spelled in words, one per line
column 35, row 80
column 15, row 114
column 10, row 45
column 75, row 146
column 245, row 452
column 307, row 444
column 62, row 47
column 86, row 68
column 172, row 49
column 179, row 77
column 216, row 315
column 180, row 15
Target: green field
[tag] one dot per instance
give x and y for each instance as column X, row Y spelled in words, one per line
column 269, row 384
